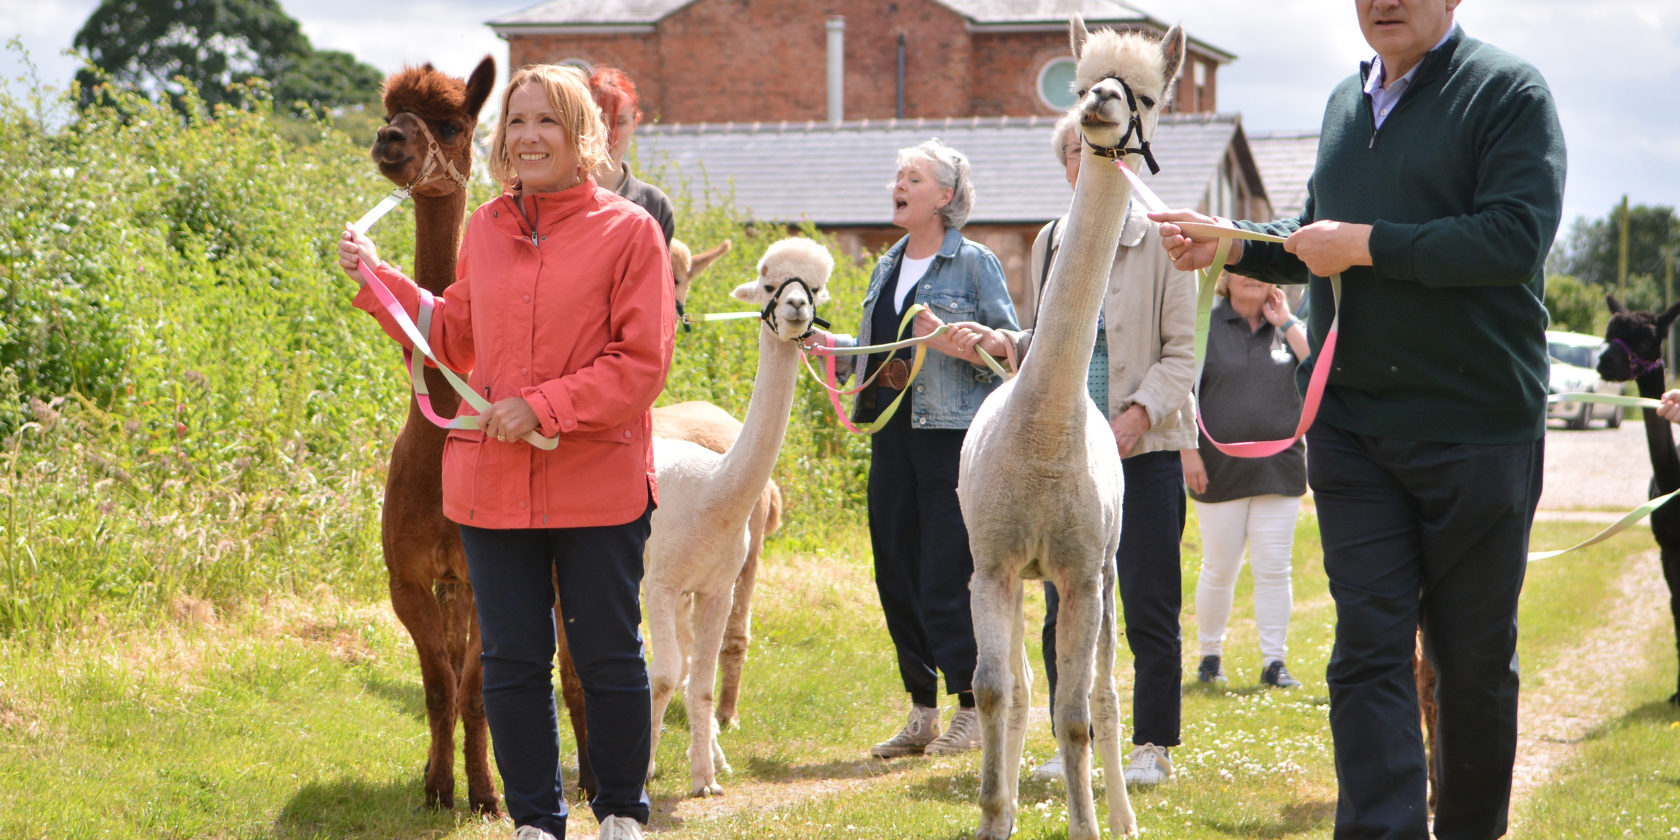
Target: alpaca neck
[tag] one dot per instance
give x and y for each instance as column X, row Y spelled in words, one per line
column 740, row 476
column 1659, row 435
column 1053, row 376
column 437, row 239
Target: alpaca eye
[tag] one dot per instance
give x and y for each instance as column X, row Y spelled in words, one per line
column 1147, row 102
column 769, row 288
column 448, row 130
column 1081, row 92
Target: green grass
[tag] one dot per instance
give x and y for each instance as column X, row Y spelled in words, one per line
column 300, row 716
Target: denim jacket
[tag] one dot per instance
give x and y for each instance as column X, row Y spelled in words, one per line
column 963, row 283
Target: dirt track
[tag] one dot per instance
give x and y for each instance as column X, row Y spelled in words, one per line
column 1596, row 469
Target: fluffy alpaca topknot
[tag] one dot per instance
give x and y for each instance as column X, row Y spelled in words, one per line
column 797, row 257
column 1133, row 56
column 425, row 93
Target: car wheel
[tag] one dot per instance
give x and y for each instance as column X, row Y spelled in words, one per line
column 1614, row 421
column 1581, row 418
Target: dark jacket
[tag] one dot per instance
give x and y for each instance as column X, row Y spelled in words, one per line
column 1442, row 338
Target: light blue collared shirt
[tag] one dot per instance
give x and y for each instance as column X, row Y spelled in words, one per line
column 1383, row 99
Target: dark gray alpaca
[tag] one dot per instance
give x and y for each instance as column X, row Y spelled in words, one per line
column 1635, row 351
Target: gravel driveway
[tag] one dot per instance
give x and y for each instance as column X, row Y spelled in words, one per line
column 1596, row 469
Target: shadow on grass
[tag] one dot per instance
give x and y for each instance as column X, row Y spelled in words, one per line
column 1650, row 715
column 406, row 694
column 1293, row 819
column 357, row 808
column 772, row 772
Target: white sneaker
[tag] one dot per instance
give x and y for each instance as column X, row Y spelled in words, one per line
column 531, row 832
column 919, row 731
column 961, row 736
column 1051, row 771
column 616, row 827
column 1149, row 765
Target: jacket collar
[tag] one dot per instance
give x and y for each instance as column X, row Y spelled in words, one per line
column 546, row 209
column 947, row 246
column 1434, row 63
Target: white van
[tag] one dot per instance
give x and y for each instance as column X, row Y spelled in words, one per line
column 1575, row 370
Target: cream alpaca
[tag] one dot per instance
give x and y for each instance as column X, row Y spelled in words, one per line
column 1040, row 480
column 701, row 532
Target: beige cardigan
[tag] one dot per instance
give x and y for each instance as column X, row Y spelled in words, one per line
column 1150, row 313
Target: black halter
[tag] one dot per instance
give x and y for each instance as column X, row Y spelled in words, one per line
column 768, row 316
column 1133, row 126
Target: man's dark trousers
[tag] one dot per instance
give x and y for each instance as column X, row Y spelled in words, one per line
column 1432, row 533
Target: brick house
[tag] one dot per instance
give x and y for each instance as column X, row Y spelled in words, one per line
column 788, row 98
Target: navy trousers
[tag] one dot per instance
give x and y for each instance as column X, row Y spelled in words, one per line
column 600, row 574
column 922, row 562
column 1151, row 595
column 1435, row 534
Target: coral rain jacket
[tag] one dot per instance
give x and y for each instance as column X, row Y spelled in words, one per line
column 580, row 323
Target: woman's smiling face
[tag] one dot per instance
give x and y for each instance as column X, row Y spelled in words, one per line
column 537, row 142
column 917, row 194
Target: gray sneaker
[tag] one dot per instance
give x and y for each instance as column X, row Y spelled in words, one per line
column 918, row 732
column 620, row 828
column 531, row 832
column 1051, row 771
column 1149, row 765
column 961, row 736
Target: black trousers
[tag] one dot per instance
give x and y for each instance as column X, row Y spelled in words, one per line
column 1435, row 534
column 1151, row 595
column 922, row 562
column 600, row 576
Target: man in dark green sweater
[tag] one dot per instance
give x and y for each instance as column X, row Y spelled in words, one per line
column 1436, row 194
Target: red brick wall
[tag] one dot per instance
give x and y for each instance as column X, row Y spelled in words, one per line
column 767, row 60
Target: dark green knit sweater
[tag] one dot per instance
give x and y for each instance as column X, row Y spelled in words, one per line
column 1442, row 339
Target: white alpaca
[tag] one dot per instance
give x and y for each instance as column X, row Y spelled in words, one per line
column 700, row 533
column 1040, row 481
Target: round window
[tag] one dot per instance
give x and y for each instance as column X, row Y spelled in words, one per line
column 1055, row 83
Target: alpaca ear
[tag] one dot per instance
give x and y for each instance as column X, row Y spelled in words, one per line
column 1616, row 307
column 1172, row 46
column 1665, row 319
column 1077, row 34
column 479, row 84
column 745, row 291
column 705, row 258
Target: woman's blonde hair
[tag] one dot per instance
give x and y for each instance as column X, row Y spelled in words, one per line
column 569, row 96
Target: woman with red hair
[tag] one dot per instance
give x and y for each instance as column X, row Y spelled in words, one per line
column 615, row 95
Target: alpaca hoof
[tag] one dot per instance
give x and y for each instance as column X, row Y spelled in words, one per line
column 1674, row 699
column 440, row 801
column 487, row 807
column 995, row 829
column 727, row 723
column 703, row 790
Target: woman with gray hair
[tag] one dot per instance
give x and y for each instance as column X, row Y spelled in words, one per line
column 922, row 563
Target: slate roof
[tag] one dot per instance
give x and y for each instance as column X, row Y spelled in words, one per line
column 1286, row 161
column 584, row 13
column 840, row 174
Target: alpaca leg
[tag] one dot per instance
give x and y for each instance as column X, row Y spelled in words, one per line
column 1077, row 626
column 421, row 615
column 666, row 671
column 1671, row 573
column 1105, row 716
column 1424, row 674
column 739, row 633
column 1015, row 732
column 571, row 691
column 711, row 615
column 995, row 602
column 475, row 733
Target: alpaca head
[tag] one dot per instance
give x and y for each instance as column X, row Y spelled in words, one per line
column 1634, row 341
column 792, row 281
column 687, row 265
column 1123, row 81
column 426, row 144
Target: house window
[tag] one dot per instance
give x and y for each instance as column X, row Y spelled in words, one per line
column 1055, row 83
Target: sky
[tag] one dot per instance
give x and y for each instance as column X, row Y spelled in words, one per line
column 1611, row 64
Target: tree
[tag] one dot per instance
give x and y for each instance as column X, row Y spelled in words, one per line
column 1592, row 248
column 215, row 45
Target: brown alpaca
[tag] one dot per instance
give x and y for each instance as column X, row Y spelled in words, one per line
column 426, row 146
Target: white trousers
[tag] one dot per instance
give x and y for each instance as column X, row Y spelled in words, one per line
column 1267, row 525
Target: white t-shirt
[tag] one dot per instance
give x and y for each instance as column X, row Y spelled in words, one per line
column 909, row 272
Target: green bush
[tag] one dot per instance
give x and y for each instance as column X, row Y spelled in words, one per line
column 190, row 408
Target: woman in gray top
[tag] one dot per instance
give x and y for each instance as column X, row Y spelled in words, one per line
column 1248, row 393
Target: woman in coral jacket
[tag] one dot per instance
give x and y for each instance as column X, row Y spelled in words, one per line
column 562, row 311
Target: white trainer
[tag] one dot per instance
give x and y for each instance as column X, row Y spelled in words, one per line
column 918, row 732
column 616, row 827
column 1149, row 765
column 531, row 832
column 961, row 736
column 1051, row 771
